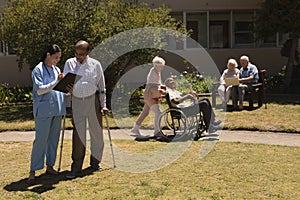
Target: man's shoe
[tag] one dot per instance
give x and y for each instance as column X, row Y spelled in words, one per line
column 71, row 175
column 212, row 128
column 216, row 123
column 96, row 169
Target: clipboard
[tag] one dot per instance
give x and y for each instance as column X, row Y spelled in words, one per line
column 234, row 81
column 69, row 79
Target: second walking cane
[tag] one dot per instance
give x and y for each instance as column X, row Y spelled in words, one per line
column 110, row 142
column 62, row 141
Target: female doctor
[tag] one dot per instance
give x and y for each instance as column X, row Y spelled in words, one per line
column 48, row 109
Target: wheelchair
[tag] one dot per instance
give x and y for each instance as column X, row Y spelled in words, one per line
column 176, row 124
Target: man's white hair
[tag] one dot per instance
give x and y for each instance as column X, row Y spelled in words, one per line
column 158, row 61
column 244, row 58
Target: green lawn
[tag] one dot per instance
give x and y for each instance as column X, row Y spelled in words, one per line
column 280, row 115
column 229, row 171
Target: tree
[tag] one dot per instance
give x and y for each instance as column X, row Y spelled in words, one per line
column 30, row 25
column 123, row 17
column 281, row 16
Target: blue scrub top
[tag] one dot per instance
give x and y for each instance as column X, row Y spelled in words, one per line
column 51, row 103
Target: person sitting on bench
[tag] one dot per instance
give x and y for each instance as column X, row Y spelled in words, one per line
column 224, row 90
column 248, row 76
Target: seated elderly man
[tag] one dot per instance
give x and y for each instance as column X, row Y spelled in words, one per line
column 248, row 75
column 202, row 105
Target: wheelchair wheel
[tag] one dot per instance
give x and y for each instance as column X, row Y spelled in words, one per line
column 200, row 129
column 172, row 123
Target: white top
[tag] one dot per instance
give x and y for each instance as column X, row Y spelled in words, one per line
column 154, row 76
column 229, row 74
column 92, row 78
column 175, row 94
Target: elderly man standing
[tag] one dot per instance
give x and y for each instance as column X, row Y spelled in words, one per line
column 88, row 99
column 248, row 76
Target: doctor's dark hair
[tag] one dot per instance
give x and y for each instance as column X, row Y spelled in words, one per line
column 51, row 49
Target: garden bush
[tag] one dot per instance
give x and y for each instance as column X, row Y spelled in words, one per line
column 14, row 94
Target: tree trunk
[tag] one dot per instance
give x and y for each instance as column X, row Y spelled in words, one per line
column 291, row 63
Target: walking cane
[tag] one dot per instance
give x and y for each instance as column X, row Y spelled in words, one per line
column 110, row 142
column 62, row 141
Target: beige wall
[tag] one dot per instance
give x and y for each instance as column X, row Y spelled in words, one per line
column 264, row 58
column 9, row 72
column 267, row 58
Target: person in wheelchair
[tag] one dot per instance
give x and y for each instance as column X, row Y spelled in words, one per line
column 190, row 105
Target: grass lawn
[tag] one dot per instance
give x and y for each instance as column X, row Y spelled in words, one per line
column 279, row 116
column 230, row 171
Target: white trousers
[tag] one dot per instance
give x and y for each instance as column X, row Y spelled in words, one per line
column 224, row 92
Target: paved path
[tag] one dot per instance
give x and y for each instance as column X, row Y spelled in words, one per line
column 286, row 139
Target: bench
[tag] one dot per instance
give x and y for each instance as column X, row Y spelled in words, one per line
column 257, row 94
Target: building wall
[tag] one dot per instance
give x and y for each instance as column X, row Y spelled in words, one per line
column 9, row 72
column 268, row 58
column 184, row 5
column 264, row 58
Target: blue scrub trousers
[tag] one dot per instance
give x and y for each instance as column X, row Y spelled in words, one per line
column 47, row 132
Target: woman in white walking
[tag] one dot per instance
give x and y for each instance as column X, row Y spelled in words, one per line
column 152, row 96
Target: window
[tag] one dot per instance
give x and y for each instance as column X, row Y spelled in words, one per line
column 197, row 22
column 224, row 29
column 218, row 34
column 192, row 25
column 243, row 33
column 6, row 49
column 3, row 48
column 174, row 42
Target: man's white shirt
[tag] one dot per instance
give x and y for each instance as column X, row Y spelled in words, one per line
column 92, row 78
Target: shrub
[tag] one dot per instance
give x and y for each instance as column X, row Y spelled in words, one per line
column 275, row 84
column 136, row 104
column 185, row 83
column 15, row 94
column 194, row 81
